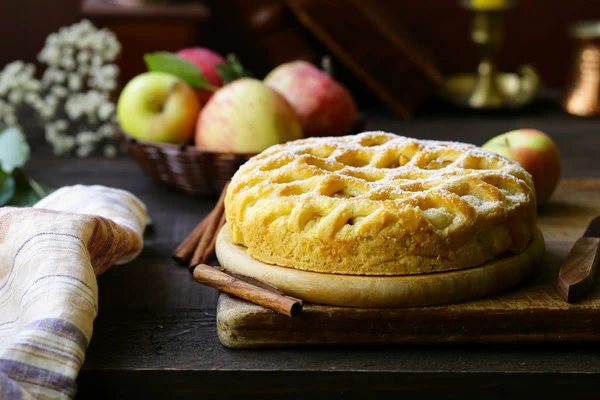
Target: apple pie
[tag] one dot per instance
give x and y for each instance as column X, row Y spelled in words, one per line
column 380, row 204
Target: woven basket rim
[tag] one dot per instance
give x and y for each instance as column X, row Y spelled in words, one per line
column 176, row 148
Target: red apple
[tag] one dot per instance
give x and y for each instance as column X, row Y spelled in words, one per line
column 536, row 152
column 206, row 61
column 324, row 106
column 246, row 116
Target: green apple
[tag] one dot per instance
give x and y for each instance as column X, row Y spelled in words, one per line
column 158, row 107
column 324, row 106
column 246, row 116
column 536, row 152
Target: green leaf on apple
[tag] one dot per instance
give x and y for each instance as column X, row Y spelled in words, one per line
column 170, row 63
column 232, row 70
column 14, row 150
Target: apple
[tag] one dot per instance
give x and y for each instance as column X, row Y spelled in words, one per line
column 246, row 116
column 206, row 61
column 536, row 152
column 324, row 106
column 158, row 107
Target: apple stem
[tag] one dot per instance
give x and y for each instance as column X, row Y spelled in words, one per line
column 327, row 65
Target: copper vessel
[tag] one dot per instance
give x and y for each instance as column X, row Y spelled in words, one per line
column 582, row 95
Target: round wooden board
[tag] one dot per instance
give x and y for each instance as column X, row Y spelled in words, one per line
column 385, row 291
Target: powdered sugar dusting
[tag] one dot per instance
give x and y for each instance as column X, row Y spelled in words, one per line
column 374, row 170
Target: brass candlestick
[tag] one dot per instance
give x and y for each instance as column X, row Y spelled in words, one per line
column 489, row 89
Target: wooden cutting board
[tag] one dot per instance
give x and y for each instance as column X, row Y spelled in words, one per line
column 531, row 312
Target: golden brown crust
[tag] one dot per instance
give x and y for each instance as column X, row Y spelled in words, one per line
column 380, row 204
column 385, row 291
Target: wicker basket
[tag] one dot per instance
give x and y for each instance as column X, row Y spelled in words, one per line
column 193, row 171
column 186, row 168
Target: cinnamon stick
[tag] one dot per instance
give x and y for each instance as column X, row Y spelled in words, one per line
column 184, row 252
column 199, row 249
column 213, row 277
column 212, row 222
column 210, row 250
column 253, row 281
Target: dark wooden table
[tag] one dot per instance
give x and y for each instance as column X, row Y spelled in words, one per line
column 156, row 337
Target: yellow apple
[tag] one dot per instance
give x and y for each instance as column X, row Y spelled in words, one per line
column 158, row 107
column 536, row 152
column 246, row 116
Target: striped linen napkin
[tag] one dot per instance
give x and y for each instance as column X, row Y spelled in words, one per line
column 50, row 256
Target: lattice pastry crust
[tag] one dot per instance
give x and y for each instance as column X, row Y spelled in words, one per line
column 380, row 204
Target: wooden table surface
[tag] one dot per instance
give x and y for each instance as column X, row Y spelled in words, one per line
column 155, row 335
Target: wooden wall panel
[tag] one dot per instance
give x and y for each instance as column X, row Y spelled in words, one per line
column 24, row 25
column 536, row 32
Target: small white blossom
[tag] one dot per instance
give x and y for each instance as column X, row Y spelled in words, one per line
column 105, row 78
column 97, row 60
column 83, row 70
column 61, row 124
column 87, row 138
column 110, row 151
column 52, row 100
column 61, row 143
column 52, row 39
column 15, row 97
column 59, row 91
column 17, row 76
column 106, row 110
column 85, row 150
column 54, row 75
column 10, row 120
column 46, row 112
column 30, row 97
column 75, row 83
column 50, row 55
column 33, row 85
column 68, row 63
column 107, row 130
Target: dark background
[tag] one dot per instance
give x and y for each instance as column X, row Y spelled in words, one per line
column 536, row 31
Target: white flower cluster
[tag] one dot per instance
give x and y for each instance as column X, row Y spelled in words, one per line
column 76, row 85
column 93, row 105
column 18, row 86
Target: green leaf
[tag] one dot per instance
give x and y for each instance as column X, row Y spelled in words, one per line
column 163, row 61
column 232, row 70
column 226, row 73
column 14, row 150
column 7, row 190
column 3, row 176
column 27, row 190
